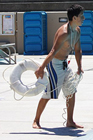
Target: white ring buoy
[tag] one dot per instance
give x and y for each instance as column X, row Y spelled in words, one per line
column 16, row 83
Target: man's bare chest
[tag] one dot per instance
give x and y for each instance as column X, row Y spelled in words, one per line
column 71, row 41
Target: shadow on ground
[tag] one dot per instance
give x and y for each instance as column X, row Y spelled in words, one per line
column 61, row 131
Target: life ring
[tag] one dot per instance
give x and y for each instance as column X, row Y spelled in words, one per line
column 16, row 83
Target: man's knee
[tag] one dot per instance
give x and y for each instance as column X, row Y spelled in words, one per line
column 45, row 100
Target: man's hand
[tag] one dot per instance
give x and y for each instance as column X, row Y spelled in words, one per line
column 80, row 70
column 39, row 73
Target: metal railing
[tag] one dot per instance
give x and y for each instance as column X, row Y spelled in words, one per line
column 8, row 55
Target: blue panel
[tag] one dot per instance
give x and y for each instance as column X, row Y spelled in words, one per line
column 86, row 29
column 87, row 34
column 87, row 22
column 33, row 48
column 87, row 47
column 35, row 32
column 32, row 16
column 33, row 39
column 86, row 38
column 34, row 23
column 88, row 14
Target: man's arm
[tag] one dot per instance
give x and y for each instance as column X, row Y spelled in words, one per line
column 58, row 43
column 78, row 56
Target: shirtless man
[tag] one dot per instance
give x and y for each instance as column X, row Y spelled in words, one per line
column 66, row 39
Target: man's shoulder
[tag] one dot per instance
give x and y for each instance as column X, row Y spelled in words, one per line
column 63, row 30
column 64, row 27
column 62, row 33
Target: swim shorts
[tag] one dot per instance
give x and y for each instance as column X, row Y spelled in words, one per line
column 60, row 77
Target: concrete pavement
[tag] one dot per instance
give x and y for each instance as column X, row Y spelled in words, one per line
column 16, row 117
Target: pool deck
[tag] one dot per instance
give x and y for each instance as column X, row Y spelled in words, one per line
column 16, row 117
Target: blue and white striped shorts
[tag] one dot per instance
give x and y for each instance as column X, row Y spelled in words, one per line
column 58, row 79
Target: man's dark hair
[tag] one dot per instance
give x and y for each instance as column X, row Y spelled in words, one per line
column 74, row 10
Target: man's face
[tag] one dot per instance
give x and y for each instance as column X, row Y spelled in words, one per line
column 80, row 19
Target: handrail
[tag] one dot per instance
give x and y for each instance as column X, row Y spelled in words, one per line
column 9, row 54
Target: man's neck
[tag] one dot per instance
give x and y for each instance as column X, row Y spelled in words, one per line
column 72, row 26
